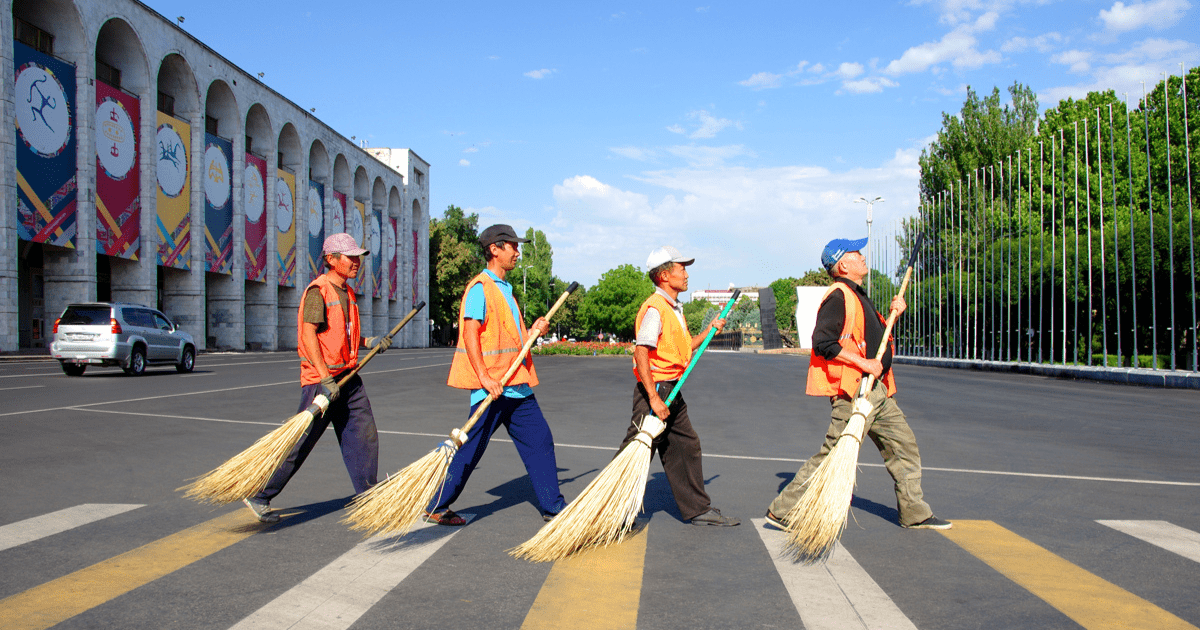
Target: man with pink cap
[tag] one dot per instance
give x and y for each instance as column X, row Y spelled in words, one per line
column 328, row 338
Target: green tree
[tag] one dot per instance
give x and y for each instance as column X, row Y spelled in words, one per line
column 694, row 313
column 566, row 322
column 533, row 278
column 612, row 305
column 456, row 257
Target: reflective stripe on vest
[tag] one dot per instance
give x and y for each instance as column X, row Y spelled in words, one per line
column 670, row 359
column 499, row 341
column 831, row 378
column 339, row 341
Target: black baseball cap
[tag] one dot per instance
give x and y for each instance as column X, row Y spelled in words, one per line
column 500, row 233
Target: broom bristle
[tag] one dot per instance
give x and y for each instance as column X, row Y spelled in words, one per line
column 396, row 504
column 817, row 520
column 248, row 472
column 601, row 515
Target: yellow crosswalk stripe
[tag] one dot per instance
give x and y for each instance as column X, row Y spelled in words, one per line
column 58, row 600
column 598, row 589
column 1092, row 602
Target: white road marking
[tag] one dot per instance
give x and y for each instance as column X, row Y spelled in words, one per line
column 337, row 595
column 1173, row 538
column 835, row 595
column 8, row 389
column 32, row 529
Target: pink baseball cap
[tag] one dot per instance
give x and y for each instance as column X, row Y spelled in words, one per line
column 342, row 243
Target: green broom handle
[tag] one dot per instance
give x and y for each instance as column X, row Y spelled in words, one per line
column 512, row 369
column 869, row 382
column 374, row 351
column 712, row 330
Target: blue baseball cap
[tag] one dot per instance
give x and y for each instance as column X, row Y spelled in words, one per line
column 837, row 248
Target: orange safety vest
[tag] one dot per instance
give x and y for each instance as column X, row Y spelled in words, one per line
column 670, row 359
column 831, row 378
column 499, row 341
column 338, row 342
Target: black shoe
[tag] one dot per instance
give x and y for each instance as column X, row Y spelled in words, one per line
column 546, row 516
column 932, row 522
column 777, row 522
column 714, row 517
column 262, row 511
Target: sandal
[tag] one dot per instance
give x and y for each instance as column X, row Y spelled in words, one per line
column 447, row 518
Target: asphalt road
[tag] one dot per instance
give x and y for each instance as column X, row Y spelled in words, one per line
column 1059, row 491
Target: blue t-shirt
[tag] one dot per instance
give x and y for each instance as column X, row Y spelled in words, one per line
column 476, row 308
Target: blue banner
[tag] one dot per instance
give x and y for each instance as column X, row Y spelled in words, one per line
column 218, row 204
column 47, row 189
column 316, row 228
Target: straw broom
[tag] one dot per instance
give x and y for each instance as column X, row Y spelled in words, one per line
column 396, row 504
column 818, row 519
column 603, row 514
column 248, row 472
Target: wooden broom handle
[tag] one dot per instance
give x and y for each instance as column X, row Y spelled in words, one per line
column 869, row 382
column 512, row 369
column 374, row 351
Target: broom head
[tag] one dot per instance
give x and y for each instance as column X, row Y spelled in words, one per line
column 396, row 504
column 817, row 520
column 248, row 472
column 604, row 513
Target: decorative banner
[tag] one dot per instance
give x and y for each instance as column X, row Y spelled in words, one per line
column 218, row 204
column 118, row 178
column 416, row 252
column 339, row 212
column 389, row 254
column 356, row 226
column 46, row 186
column 174, row 139
column 316, row 228
column 285, row 215
column 254, row 187
column 375, row 239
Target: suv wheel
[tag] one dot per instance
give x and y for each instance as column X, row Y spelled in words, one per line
column 73, row 369
column 137, row 362
column 189, row 360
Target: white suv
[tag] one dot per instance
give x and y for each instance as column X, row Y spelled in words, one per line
column 127, row 335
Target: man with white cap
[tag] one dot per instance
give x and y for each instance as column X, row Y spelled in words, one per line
column 847, row 335
column 663, row 351
column 328, row 338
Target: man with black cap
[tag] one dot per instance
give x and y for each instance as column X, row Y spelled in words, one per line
column 491, row 333
column 845, row 340
column 328, row 338
column 662, row 354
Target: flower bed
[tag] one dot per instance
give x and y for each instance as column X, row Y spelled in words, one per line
column 583, row 348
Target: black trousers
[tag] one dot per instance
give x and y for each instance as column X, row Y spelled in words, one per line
column 678, row 448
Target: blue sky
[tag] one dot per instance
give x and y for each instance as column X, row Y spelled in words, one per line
column 740, row 132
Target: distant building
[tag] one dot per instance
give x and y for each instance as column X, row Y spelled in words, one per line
column 721, row 296
column 142, row 166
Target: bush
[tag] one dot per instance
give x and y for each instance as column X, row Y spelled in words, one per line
column 583, row 348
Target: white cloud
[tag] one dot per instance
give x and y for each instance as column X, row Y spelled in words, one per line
column 540, row 74
column 709, row 125
column 1042, row 43
column 1156, row 14
column 958, row 47
column 868, row 85
column 471, row 150
column 698, row 156
column 817, row 68
column 1124, row 72
column 849, row 70
column 1078, row 60
column 762, row 81
column 464, row 162
column 634, row 153
column 676, row 129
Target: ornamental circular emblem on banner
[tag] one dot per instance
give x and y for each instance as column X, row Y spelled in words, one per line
column 43, row 113
column 283, row 205
column 216, row 177
column 374, row 239
column 389, row 242
column 339, row 216
column 255, row 201
column 172, row 161
column 315, row 213
column 354, row 224
column 116, row 145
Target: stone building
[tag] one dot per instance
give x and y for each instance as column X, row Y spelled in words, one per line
column 139, row 165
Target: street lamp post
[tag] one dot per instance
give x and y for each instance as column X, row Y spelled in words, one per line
column 870, row 203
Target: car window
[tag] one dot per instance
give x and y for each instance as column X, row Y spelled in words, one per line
column 85, row 316
column 161, row 322
column 137, row 317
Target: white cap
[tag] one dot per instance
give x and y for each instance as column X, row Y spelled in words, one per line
column 666, row 254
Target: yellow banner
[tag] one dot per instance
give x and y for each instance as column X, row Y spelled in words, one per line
column 285, row 223
column 172, row 150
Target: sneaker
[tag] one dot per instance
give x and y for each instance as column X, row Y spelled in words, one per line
column 262, row 511
column 776, row 521
column 714, row 517
column 546, row 516
column 932, row 522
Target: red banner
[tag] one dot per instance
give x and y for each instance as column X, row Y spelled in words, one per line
column 254, row 201
column 118, row 207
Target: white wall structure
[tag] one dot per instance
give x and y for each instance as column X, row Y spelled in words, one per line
column 808, row 302
column 164, row 67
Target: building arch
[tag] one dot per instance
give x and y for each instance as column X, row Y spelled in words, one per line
column 119, row 48
column 177, row 82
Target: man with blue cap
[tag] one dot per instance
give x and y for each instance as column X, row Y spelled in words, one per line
column 848, row 334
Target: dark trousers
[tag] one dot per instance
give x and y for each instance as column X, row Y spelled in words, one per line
column 354, row 425
column 678, row 448
column 527, row 427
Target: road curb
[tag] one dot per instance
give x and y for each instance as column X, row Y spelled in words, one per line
column 1174, row 379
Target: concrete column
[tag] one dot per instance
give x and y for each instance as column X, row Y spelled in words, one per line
column 9, row 244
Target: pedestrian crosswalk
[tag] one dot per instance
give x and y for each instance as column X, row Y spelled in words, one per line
column 600, row 589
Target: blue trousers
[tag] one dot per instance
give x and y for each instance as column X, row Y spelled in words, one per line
column 523, row 419
column 353, row 423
